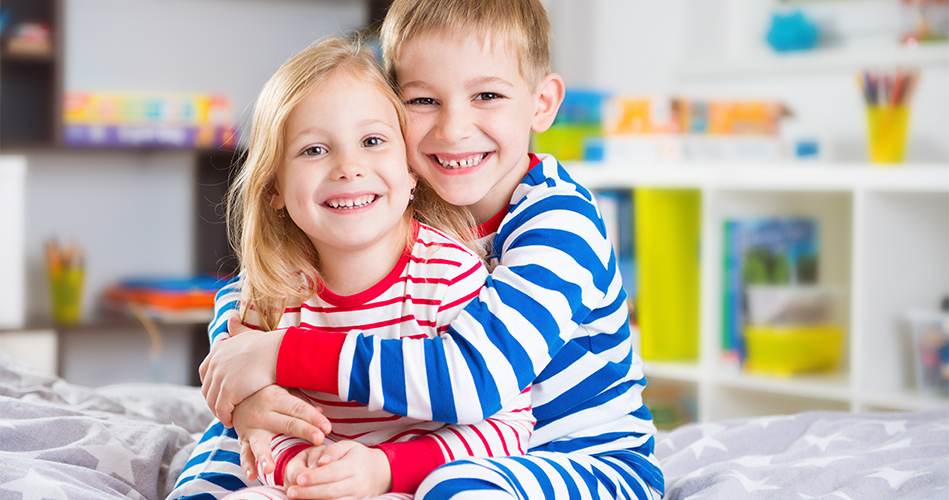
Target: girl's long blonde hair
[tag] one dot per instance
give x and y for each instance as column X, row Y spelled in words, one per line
column 279, row 261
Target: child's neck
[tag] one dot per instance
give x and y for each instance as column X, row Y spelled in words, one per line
column 348, row 272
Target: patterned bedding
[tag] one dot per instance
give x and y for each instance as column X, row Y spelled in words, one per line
column 62, row 441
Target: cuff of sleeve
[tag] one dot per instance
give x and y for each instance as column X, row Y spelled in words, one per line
column 280, row 468
column 411, row 461
column 309, row 359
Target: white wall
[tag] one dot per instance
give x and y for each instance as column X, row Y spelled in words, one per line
column 133, row 211
column 647, row 47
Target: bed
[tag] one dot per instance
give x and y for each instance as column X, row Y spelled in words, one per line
column 63, row 441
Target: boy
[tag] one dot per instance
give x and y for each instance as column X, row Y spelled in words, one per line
column 475, row 77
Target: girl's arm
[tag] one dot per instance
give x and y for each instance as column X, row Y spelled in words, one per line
column 556, row 268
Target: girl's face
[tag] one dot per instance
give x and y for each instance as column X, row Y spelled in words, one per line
column 344, row 177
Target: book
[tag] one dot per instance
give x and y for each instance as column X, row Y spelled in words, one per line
column 172, row 300
column 758, row 251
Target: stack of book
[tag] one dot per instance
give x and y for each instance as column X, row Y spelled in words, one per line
column 168, row 300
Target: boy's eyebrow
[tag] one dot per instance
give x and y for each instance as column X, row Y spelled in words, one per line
column 475, row 82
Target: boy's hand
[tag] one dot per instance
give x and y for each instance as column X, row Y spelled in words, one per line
column 299, row 464
column 344, row 470
column 238, row 367
column 270, row 411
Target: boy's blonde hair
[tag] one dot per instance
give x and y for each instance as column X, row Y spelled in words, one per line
column 279, row 260
column 521, row 24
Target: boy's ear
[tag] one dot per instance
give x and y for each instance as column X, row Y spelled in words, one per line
column 549, row 98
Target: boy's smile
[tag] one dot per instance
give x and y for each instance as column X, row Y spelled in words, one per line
column 470, row 115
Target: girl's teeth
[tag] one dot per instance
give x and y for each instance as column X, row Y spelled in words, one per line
column 352, row 203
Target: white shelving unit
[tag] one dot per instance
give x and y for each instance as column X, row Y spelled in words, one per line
column 884, row 236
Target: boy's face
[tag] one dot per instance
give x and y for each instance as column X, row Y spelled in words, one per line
column 470, row 114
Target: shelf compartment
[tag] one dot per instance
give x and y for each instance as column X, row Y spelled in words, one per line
column 902, row 259
column 901, row 401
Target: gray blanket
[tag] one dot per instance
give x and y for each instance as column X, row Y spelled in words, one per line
column 62, row 441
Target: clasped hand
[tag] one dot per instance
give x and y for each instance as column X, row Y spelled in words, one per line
column 341, row 470
column 238, row 367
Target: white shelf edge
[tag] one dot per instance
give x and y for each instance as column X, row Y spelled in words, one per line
column 903, row 400
column 933, row 177
column 831, row 387
column 816, row 61
column 679, row 371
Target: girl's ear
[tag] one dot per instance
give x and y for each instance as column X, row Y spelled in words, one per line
column 276, row 201
column 549, row 98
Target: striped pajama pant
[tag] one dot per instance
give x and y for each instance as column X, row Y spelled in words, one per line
column 214, row 472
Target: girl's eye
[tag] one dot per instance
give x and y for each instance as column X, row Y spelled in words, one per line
column 488, row 96
column 421, row 101
column 372, row 141
column 314, row 151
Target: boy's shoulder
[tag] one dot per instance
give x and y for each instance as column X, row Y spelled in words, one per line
column 547, row 179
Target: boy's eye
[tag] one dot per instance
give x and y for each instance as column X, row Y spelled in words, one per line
column 421, row 101
column 488, row 96
column 372, row 141
column 314, row 151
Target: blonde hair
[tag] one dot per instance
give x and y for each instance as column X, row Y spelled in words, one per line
column 522, row 24
column 278, row 259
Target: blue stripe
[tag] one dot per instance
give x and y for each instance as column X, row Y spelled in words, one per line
column 546, row 278
column 488, row 396
column 568, row 480
column 588, row 478
column 578, row 397
column 200, row 496
column 630, row 480
column 511, row 478
column 499, row 335
column 393, row 383
column 359, row 378
column 539, row 475
column 440, row 393
column 531, row 310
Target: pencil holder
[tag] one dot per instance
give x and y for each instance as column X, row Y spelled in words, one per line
column 65, row 287
column 887, row 127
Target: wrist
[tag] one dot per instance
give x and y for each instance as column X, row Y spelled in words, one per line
column 381, row 461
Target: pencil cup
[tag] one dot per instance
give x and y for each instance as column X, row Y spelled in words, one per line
column 65, row 287
column 887, row 133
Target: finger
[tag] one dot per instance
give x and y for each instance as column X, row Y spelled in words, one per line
column 260, row 450
column 235, row 327
column 203, row 367
column 247, row 461
column 335, row 452
column 306, row 421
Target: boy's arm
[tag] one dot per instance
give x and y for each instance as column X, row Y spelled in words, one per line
column 555, row 267
column 506, row 433
column 227, row 304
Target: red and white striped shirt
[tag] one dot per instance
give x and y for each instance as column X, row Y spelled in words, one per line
column 432, row 282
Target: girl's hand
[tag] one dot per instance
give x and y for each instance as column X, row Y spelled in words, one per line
column 345, row 470
column 270, row 411
column 238, row 367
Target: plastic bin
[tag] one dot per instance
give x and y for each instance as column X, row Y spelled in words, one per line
column 787, row 350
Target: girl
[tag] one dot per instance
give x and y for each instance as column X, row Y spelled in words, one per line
column 328, row 214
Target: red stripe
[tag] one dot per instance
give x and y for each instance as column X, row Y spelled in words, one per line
column 410, row 432
column 500, row 435
column 460, row 301
column 451, row 456
column 447, row 262
column 352, row 437
column 280, row 468
column 322, row 402
column 410, row 318
column 390, row 418
column 487, row 447
column 463, row 441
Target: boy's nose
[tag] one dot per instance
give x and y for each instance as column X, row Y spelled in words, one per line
column 453, row 126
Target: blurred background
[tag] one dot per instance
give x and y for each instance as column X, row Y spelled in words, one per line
column 119, row 118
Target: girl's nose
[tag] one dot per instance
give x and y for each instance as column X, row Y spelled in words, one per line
column 349, row 166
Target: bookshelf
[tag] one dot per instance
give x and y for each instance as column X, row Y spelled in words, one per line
column 884, row 233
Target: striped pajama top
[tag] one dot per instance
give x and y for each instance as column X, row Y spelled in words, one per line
column 434, row 279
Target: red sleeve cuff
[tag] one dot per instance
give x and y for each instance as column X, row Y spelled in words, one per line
column 411, row 461
column 309, row 359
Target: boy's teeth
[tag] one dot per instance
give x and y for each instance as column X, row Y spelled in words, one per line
column 352, row 202
column 467, row 162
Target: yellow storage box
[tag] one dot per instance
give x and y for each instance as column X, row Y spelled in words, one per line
column 787, row 349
